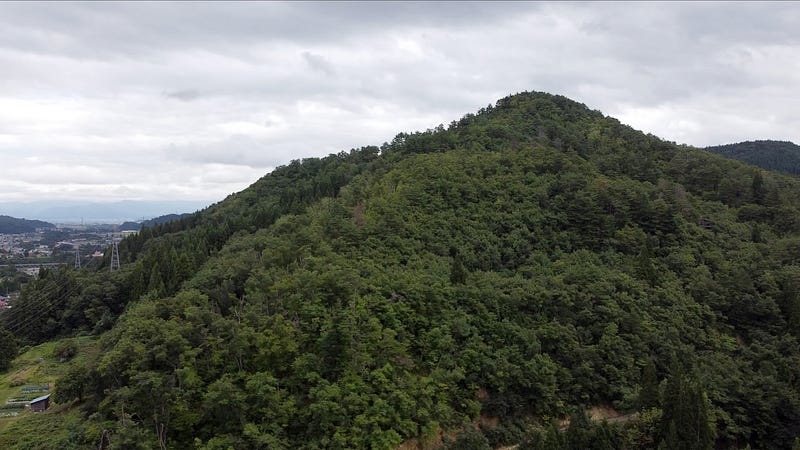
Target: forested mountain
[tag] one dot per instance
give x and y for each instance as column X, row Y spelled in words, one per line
column 473, row 286
column 11, row 225
column 780, row 156
column 135, row 226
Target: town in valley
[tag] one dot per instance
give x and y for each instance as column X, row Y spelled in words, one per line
column 23, row 254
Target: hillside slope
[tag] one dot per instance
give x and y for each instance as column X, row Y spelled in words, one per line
column 525, row 263
column 780, row 156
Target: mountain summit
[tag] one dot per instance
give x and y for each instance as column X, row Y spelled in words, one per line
column 479, row 285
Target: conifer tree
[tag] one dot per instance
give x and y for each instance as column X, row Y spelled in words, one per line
column 686, row 424
column 458, row 274
column 648, row 395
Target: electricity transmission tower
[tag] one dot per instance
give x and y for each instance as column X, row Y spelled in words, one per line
column 114, row 255
column 77, row 256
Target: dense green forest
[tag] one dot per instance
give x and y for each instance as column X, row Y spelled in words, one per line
column 780, row 156
column 12, row 225
column 485, row 284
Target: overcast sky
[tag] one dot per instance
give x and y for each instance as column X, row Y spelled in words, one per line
column 195, row 101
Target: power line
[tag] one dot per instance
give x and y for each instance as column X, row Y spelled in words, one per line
column 42, row 300
column 54, row 294
column 20, row 323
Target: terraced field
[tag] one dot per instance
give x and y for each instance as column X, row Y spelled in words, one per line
column 32, row 374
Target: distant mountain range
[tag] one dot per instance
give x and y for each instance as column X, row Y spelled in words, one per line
column 780, row 156
column 13, row 225
column 89, row 212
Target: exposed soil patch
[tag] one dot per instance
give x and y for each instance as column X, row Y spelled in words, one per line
column 609, row 414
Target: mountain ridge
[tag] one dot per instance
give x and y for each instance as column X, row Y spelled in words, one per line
column 780, row 156
column 136, row 226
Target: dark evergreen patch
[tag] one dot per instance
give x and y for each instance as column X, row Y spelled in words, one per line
column 780, row 156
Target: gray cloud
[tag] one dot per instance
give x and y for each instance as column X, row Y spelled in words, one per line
column 318, row 63
column 118, row 30
column 185, row 95
column 198, row 100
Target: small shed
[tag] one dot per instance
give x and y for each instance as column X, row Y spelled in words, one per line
column 40, row 403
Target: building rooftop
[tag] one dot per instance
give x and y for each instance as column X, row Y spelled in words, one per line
column 38, row 399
